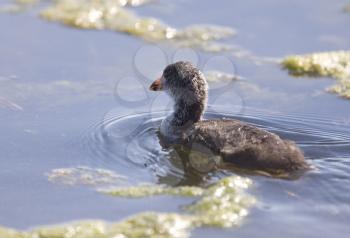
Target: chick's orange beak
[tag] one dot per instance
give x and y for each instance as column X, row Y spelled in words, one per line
column 156, row 85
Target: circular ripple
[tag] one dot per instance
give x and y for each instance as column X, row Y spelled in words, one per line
column 132, row 142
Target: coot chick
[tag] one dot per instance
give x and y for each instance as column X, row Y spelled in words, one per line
column 242, row 145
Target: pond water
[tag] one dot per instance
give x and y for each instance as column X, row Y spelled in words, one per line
column 72, row 97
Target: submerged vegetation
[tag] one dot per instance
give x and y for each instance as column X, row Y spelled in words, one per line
column 334, row 64
column 222, row 204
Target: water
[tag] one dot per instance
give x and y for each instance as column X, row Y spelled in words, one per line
column 78, row 98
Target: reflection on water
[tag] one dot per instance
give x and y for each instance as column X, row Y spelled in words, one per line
column 134, row 139
column 320, row 139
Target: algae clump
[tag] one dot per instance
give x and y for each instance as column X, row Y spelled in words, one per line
column 334, row 64
column 222, row 204
column 111, row 15
column 84, row 176
column 9, row 233
column 150, row 190
column 342, row 88
column 151, row 224
column 167, row 225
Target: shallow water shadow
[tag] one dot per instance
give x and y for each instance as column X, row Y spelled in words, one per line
column 199, row 162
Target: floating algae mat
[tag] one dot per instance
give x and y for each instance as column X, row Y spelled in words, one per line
column 151, row 190
column 84, row 176
column 222, row 204
column 334, row 64
column 21, row 5
column 342, row 88
column 112, row 15
column 142, row 225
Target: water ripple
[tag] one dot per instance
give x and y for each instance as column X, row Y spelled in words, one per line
column 131, row 141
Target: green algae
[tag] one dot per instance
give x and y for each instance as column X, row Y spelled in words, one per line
column 151, row 190
column 142, row 225
column 222, row 204
column 84, row 176
column 342, row 88
column 111, row 15
column 152, row 224
column 148, row 224
column 9, row 233
column 114, row 15
column 334, row 64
